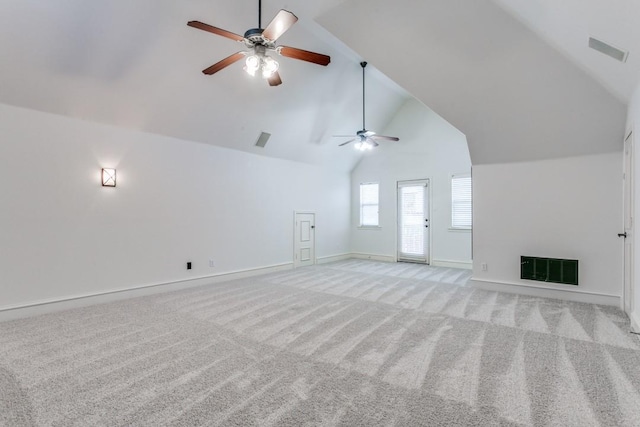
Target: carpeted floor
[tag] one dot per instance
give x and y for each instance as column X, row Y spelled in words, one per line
column 353, row 343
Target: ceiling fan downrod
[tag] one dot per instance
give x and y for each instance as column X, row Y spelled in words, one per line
column 363, row 64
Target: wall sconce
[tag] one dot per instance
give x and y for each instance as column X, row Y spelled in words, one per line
column 108, row 177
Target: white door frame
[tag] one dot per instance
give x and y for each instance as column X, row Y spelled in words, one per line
column 428, row 245
column 296, row 261
column 628, row 223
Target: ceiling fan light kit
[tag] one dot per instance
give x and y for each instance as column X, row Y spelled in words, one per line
column 261, row 61
column 364, row 146
column 366, row 139
column 259, row 43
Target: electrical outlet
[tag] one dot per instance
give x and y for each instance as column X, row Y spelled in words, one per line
column 484, row 266
column 189, row 265
column 211, row 263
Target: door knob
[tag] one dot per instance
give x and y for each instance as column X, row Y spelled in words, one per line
column 623, row 234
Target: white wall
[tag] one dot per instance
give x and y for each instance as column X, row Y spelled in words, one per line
column 63, row 235
column 564, row 208
column 431, row 148
column 633, row 124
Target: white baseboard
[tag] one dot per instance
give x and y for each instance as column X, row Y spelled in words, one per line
column 374, row 257
column 635, row 321
column 545, row 292
column 49, row 306
column 333, row 258
column 467, row 265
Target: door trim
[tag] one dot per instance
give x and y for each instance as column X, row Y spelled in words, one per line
column 628, row 190
column 296, row 262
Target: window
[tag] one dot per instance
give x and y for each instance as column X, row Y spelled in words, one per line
column 369, row 205
column 461, row 207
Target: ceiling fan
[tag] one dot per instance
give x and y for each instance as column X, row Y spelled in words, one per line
column 367, row 139
column 260, row 42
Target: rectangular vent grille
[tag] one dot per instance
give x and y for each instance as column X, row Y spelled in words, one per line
column 262, row 139
column 552, row 270
column 608, row 50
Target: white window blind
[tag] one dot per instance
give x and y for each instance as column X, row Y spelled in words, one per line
column 461, row 202
column 369, row 205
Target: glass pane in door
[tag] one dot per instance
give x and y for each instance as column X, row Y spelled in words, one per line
column 412, row 221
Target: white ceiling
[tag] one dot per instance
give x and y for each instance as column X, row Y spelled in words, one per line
column 568, row 24
column 136, row 64
column 513, row 95
column 514, row 75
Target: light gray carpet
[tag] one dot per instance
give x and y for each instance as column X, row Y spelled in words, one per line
column 354, row 343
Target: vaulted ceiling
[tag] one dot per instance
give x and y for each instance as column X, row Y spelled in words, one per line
column 567, row 24
column 136, row 64
column 515, row 76
column 514, row 95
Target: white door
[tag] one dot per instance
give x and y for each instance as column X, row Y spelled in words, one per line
column 628, row 224
column 413, row 221
column 304, row 244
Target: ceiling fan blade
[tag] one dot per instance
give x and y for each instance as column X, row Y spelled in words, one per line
column 304, row 55
column 224, row 63
column 215, row 30
column 279, row 25
column 275, row 79
column 386, row 138
column 348, row 142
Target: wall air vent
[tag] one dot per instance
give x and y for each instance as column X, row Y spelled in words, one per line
column 607, row 49
column 552, row 270
column 262, row 139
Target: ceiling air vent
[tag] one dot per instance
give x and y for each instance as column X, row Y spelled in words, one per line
column 262, row 139
column 607, row 49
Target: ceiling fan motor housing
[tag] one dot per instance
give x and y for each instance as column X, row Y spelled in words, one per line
column 255, row 38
